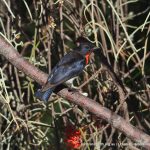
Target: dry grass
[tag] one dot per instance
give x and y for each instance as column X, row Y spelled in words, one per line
column 43, row 31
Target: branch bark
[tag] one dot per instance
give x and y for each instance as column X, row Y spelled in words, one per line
column 10, row 53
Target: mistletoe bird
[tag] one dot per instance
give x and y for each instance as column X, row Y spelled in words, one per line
column 69, row 66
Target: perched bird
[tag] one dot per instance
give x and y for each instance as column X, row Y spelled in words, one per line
column 71, row 65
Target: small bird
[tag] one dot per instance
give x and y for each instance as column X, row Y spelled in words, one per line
column 70, row 66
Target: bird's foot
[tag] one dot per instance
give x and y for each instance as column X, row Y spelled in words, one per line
column 72, row 89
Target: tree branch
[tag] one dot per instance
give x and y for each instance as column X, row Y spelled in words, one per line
column 115, row 120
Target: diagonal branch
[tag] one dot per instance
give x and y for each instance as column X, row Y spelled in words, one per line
column 115, row 120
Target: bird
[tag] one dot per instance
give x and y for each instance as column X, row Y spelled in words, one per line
column 69, row 66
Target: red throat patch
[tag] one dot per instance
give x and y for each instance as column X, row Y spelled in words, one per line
column 87, row 57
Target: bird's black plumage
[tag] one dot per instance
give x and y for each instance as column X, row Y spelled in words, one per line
column 71, row 65
column 68, row 67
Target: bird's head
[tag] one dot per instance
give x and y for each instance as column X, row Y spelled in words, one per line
column 84, row 46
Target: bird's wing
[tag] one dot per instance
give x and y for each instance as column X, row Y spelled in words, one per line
column 67, row 59
column 68, row 67
column 70, row 57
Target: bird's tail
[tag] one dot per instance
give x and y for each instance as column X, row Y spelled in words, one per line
column 43, row 95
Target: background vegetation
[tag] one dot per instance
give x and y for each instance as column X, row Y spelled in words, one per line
column 43, row 31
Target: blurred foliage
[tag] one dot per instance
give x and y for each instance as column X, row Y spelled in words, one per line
column 43, row 31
